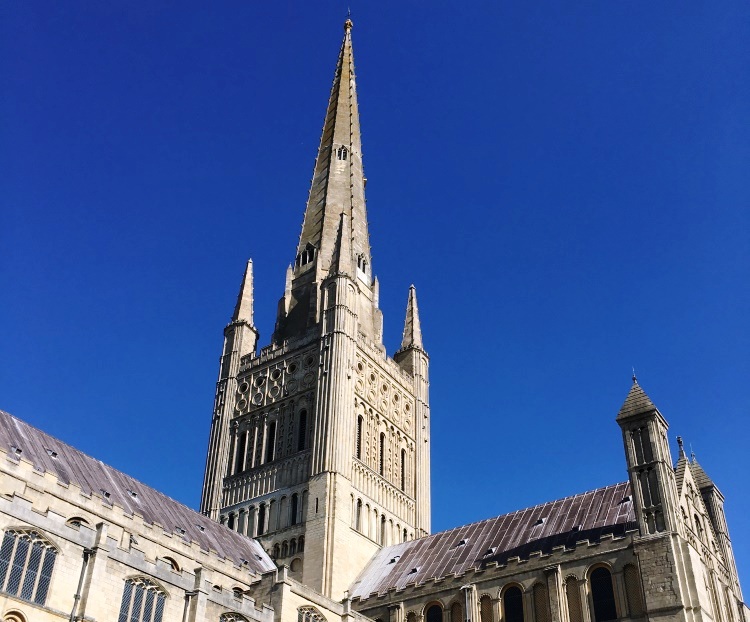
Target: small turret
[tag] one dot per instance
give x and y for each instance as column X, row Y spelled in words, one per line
column 652, row 477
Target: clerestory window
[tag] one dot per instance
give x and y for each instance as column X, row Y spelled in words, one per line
column 342, row 153
column 26, row 564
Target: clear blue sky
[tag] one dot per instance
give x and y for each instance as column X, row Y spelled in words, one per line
column 565, row 183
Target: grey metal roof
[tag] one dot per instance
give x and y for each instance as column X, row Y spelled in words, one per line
column 564, row 522
column 71, row 466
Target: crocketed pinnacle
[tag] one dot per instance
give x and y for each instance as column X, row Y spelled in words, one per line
column 243, row 310
column 338, row 184
column 412, row 329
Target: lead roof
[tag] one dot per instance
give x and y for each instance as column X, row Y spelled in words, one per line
column 587, row 516
column 71, row 466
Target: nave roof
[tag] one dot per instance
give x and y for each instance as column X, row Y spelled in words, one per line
column 71, row 466
column 586, row 516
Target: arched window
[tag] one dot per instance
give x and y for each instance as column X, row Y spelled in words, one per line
column 342, row 153
column 173, row 563
column 633, row 591
column 309, row 614
column 26, row 564
column 513, row 605
column 305, row 256
column 603, row 595
column 485, row 609
column 411, row 617
column 381, row 538
column 284, row 549
column 434, row 614
column 230, row 520
column 698, row 526
column 573, row 595
column 358, row 516
column 270, row 441
column 381, row 455
column 292, row 546
column 261, row 519
column 142, row 601
column 301, row 544
column 76, row 522
column 302, row 431
column 294, row 509
column 276, row 551
column 456, row 613
column 359, row 438
column 403, row 469
column 406, row 535
column 232, row 617
column 541, row 603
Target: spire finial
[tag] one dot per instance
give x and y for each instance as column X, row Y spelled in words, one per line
column 635, row 379
column 348, row 24
column 692, row 453
column 681, row 446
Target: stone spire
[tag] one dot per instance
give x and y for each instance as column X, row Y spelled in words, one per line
column 338, row 184
column 243, row 310
column 412, row 329
column 636, row 403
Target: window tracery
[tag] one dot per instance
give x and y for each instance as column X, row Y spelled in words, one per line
column 142, row 601
column 27, row 561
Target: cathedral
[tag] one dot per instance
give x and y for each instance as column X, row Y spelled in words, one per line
column 316, row 496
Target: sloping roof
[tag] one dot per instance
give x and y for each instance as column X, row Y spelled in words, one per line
column 564, row 522
column 71, row 466
column 702, row 480
column 636, row 402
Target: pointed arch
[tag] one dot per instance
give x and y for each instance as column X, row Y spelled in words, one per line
column 27, row 561
column 142, row 599
column 230, row 616
column 602, row 594
column 309, row 614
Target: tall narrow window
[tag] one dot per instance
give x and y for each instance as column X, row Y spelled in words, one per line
column 301, row 544
column 513, row 605
column 302, row 430
column 633, row 591
column 358, row 516
column 603, row 595
column 382, row 531
column 485, row 609
column 403, row 469
column 573, row 595
column 26, row 564
column 359, row 438
column 541, row 603
column 142, row 601
column 381, row 455
column 240, row 454
column 294, row 509
column 457, row 613
column 270, row 441
column 262, row 519
column 406, row 535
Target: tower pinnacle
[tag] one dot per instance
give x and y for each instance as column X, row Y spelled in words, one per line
column 243, row 310
column 412, row 329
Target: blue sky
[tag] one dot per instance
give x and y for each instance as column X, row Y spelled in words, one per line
column 565, row 183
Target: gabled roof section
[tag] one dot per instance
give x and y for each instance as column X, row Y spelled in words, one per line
column 564, row 522
column 71, row 466
column 338, row 184
column 702, row 480
column 636, row 403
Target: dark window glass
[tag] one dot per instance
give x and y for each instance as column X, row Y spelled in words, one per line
column 603, row 595
column 294, row 508
column 403, row 469
column 359, row 437
column 381, row 457
column 513, row 605
column 434, row 614
column 240, row 457
column 270, row 441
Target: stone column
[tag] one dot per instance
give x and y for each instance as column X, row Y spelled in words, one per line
column 472, row 603
column 585, row 608
column 396, row 613
column 554, row 588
